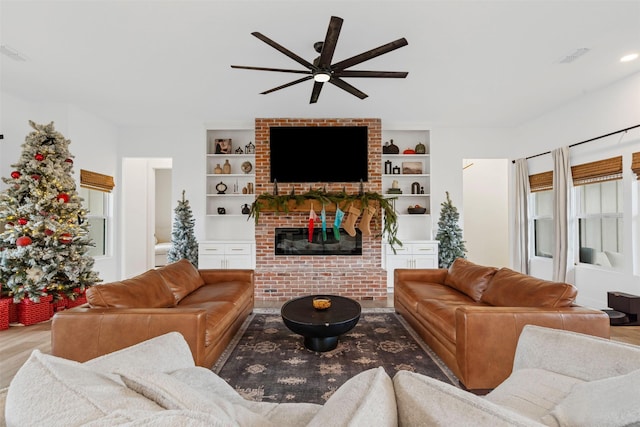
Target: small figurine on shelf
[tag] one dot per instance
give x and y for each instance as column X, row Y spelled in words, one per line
column 250, row 148
column 239, row 151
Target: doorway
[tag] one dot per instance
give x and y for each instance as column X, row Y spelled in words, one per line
column 139, row 182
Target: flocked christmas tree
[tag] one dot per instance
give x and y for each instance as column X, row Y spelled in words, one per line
column 183, row 240
column 44, row 244
column 449, row 235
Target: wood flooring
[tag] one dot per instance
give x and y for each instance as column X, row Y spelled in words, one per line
column 17, row 343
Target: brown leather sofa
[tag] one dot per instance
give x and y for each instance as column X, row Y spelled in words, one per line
column 472, row 315
column 206, row 306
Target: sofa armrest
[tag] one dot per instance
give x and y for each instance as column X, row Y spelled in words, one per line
column 586, row 357
column 227, row 275
column 486, row 336
column 427, row 275
column 84, row 333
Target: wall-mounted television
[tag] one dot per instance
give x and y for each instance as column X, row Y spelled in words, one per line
column 319, row 154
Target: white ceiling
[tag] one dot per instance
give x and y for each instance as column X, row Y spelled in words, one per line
column 470, row 63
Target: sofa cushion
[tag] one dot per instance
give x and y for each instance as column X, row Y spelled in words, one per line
column 509, row 288
column 166, row 353
column 367, row 399
column 607, row 402
column 173, row 394
column 209, row 384
column 425, row 401
column 181, row 277
column 532, row 392
column 35, row 393
column 147, row 290
column 469, row 278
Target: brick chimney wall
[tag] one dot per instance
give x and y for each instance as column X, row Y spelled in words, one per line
column 279, row 278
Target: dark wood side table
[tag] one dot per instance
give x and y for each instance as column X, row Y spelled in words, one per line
column 321, row 328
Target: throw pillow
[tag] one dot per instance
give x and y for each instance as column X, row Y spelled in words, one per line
column 603, row 403
column 469, row 278
column 49, row 390
column 366, row 399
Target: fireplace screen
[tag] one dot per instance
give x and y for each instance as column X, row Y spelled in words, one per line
column 295, row 241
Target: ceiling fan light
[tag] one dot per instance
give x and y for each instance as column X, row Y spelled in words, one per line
column 322, row 77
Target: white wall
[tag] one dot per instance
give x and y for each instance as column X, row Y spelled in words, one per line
column 486, row 208
column 601, row 112
column 163, row 204
column 94, row 145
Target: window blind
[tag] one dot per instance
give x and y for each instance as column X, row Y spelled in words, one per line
column 541, row 181
column 599, row 171
column 96, row 181
column 635, row 164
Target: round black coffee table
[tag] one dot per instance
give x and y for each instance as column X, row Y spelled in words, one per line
column 320, row 328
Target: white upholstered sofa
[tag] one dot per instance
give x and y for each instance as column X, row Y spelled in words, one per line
column 559, row 378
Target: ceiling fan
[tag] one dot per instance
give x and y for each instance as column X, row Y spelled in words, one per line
column 322, row 70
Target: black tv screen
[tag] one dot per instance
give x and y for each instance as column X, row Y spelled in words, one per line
column 319, row 154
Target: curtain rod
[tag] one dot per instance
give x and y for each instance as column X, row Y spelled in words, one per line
column 583, row 142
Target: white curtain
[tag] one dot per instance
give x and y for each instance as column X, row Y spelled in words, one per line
column 561, row 185
column 522, row 216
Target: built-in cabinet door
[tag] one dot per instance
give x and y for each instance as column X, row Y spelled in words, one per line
column 236, row 255
column 410, row 255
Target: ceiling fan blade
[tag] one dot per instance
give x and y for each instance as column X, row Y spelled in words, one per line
column 284, row 50
column 295, row 82
column 330, row 41
column 346, row 86
column 380, row 50
column 282, row 70
column 359, row 73
column 315, row 93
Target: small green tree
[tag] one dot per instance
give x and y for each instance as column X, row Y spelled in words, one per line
column 183, row 240
column 449, row 235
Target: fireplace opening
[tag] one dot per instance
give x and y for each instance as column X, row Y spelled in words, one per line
column 295, row 241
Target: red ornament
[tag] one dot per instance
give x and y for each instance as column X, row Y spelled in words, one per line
column 35, row 177
column 24, row 241
column 63, row 197
column 65, row 238
column 22, row 221
column 39, row 157
column 15, row 174
column 68, row 161
column 48, row 232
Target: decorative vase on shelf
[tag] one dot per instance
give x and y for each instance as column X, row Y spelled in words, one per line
column 226, row 168
column 421, row 148
column 218, row 169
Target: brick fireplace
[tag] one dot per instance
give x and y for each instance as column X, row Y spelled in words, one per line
column 279, row 278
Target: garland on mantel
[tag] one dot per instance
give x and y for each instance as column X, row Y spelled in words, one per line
column 280, row 203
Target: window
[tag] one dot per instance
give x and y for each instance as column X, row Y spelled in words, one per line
column 97, row 205
column 542, row 203
column 542, row 208
column 95, row 189
column 600, row 218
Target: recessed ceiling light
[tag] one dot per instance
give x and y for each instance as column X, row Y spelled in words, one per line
column 629, row 57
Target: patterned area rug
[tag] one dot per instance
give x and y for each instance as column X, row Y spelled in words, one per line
column 269, row 363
